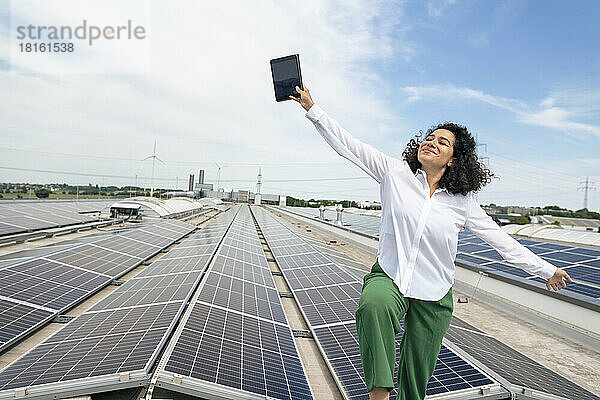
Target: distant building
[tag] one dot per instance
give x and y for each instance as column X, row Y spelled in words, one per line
column 369, row 204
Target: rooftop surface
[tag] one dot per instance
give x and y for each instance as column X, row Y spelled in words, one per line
column 260, row 241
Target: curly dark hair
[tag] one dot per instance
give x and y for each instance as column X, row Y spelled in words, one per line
column 467, row 173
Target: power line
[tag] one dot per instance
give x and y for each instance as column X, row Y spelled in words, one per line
column 172, row 179
column 178, row 162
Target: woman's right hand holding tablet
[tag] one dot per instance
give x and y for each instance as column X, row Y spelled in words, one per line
column 305, row 100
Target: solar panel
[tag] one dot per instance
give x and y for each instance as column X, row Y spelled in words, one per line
column 97, row 259
column 588, row 252
column 16, row 217
column 94, row 344
column 17, row 319
column 470, row 248
column 242, row 296
column 149, row 290
column 320, row 275
column 48, row 284
column 330, row 304
column 493, row 254
column 471, row 259
column 584, row 273
column 174, row 265
column 554, row 246
column 539, row 250
column 244, row 270
column 513, row 366
column 566, row 256
column 580, row 288
column 509, row 268
column 578, row 262
column 128, row 246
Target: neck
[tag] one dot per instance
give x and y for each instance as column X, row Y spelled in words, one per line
column 433, row 177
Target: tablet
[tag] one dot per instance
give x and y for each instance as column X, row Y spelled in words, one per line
column 286, row 76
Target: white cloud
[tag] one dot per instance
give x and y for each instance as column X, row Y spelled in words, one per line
column 209, row 95
column 545, row 114
column 437, row 8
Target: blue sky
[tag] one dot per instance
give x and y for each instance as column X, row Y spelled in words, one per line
column 521, row 75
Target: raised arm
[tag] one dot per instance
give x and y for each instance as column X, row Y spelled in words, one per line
column 512, row 251
column 374, row 162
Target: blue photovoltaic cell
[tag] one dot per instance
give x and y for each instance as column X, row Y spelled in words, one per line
column 471, row 259
column 526, row 242
column 514, row 366
column 567, row 256
column 469, row 248
column 509, row 269
column 588, row 252
column 16, row 319
column 493, row 254
column 92, row 345
column 584, row 273
column 577, row 288
column 539, row 250
column 554, row 246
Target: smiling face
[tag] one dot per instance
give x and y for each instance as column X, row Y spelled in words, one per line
column 437, row 149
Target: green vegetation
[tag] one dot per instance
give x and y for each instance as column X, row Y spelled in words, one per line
column 65, row 191
column 42, row 193
column 520, row 220
column 294, row 202
column 563, row 212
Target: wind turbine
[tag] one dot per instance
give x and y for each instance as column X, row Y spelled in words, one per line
column 154, row 157
column 218, row 175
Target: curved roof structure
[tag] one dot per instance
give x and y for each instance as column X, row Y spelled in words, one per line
column 553, row 232
column 158, row 208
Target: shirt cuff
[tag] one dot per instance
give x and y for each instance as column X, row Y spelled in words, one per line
column 549, row 270
column 314, row 113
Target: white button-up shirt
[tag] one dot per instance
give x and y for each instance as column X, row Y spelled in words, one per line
column 418, row 233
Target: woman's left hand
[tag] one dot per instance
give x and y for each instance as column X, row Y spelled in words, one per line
column 556, row 282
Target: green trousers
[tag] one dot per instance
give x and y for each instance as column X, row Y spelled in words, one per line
column 380, row 309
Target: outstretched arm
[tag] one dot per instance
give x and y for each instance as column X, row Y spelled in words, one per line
column 512, row 251
column 372, row 161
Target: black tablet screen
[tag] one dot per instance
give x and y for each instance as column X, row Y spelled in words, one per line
column 285, row 78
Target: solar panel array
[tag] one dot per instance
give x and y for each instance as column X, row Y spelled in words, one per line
column 46, row 248
column 364, row 224
column 17, row 217
column 117, row 340
column 582, row 265
column 328, row 297
column 511, row 365
column 234, row 340
column 43, row 287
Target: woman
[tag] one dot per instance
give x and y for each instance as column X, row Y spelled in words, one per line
column 426, row 199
